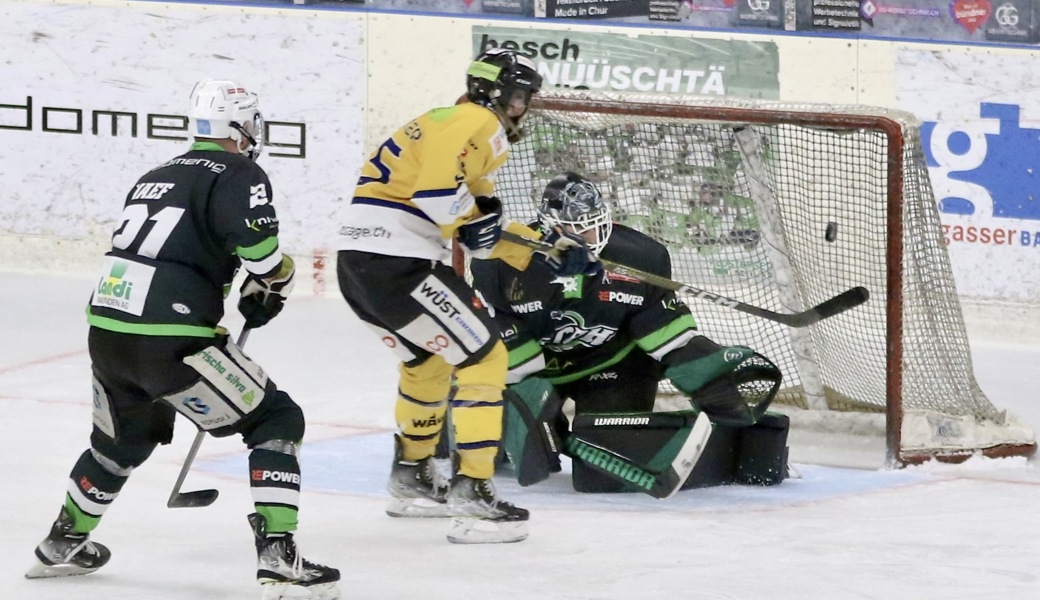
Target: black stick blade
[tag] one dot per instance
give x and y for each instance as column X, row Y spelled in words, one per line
column 842, row 302
column 196, row 499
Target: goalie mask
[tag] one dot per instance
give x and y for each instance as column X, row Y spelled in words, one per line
column 503, row 81
column 221, row 109
column 573, row 202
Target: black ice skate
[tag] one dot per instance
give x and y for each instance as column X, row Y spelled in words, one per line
column 417, row 490
column 283, row 573
column 480, row 516
column 66, row 552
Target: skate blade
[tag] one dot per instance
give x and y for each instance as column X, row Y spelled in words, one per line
column 417, row 508
column 482, row 531
column 42, row 571
column 290, row 591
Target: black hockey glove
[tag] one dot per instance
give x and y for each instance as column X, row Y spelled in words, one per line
column 482, row 233
column 570, row 255
column 263, row 299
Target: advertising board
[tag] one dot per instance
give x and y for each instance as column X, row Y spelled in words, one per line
column 981, row 135
column 96, row 95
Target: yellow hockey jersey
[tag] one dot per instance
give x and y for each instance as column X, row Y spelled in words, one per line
column 419, row 186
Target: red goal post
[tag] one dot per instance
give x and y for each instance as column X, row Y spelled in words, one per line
column 782, row 206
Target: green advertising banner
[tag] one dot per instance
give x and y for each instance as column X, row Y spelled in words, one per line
column 619, row 62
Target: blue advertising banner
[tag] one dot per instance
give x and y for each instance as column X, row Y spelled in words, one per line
column 990, row 165
column 981, row 136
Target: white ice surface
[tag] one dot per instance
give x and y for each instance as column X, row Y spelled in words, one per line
column 939, row 531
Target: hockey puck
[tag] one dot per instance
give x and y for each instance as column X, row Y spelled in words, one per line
column 831, row 233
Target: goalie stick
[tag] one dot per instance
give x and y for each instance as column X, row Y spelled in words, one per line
column 197, row 498
column 844, row 301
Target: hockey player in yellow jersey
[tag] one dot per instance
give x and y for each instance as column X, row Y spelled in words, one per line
column 430, row 183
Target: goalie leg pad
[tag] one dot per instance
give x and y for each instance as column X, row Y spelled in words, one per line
column 755, row 455
column 762, row 459
column 529, row 435
column 652, row 453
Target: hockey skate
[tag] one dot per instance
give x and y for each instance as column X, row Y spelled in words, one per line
column 284, row 574
column 417, row 490
column 66, row 552
column 480, row 516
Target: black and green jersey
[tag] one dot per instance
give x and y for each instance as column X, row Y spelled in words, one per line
column 186, row 228
column 566, row 328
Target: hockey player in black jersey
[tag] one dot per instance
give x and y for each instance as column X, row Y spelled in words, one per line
column 605, row 342
column 157, row 347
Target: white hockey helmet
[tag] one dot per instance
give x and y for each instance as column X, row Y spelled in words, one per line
column 573, row 202
column 220, row 109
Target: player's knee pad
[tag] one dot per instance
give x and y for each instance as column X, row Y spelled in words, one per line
column 230, row 387
column 278, row 418
column 428, row 381
column 529, row 432
column 117, row 457
column 477, row 402
column 489, row 371
column 290, row 447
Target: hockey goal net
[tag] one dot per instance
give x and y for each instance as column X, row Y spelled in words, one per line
column 783, row 206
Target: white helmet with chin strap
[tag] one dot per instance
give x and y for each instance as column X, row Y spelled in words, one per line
column 221, row 109
column 572, row 202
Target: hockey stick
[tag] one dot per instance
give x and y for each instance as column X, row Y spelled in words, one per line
column 848, row 299
column 197, row 498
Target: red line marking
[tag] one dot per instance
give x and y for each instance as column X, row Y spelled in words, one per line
column 41, row 361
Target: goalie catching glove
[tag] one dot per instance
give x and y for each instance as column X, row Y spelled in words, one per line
column 481, row 234
column 570, row 255
column 263, row 299
column 734, row 385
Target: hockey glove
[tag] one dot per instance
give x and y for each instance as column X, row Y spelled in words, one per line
column 570, row 255
column 482, row 233
column 263, row 299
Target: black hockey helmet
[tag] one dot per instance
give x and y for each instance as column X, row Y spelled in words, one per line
column 504, row 81
column 573, row 202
